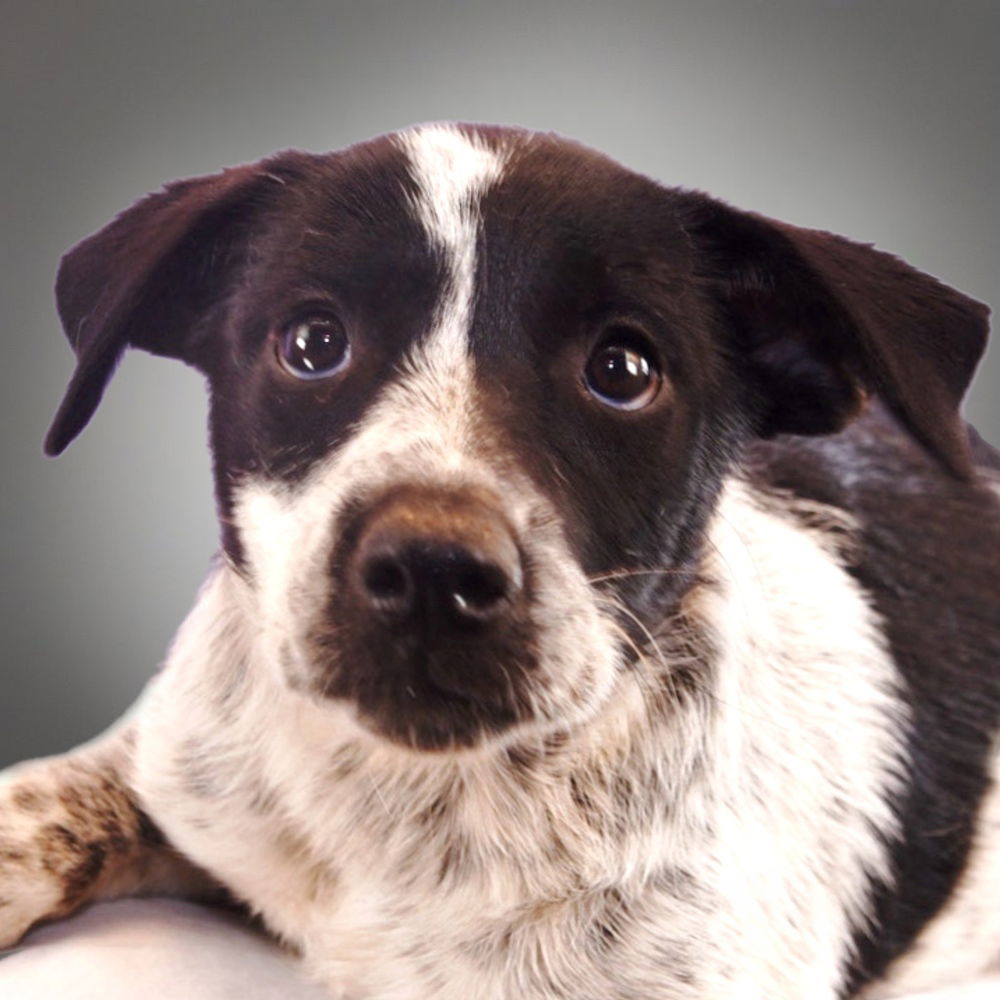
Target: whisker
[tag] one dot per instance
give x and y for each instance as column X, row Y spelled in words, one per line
column 664, row 681
column 625, row 574
column 378, row 794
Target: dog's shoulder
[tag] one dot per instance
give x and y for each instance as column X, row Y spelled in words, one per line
column 925, row 553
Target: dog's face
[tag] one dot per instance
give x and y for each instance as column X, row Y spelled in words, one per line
column 448, row 387
column 474, row 392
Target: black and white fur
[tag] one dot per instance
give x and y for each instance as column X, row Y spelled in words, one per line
column 734, row 732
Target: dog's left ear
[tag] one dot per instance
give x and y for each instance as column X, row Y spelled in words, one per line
column 821, row 322
column 147, row 279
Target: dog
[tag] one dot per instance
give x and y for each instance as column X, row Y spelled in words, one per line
column 609, row 596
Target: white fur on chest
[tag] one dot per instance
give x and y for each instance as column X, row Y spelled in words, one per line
column 763, row 811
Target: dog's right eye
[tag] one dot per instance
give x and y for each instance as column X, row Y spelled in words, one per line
column 314, row 347
column 622, row 371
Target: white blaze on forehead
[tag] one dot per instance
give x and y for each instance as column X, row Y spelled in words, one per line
column 452, row 170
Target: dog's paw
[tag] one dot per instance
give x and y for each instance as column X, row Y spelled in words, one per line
column 71, row 832
column 33, row 852
column 63, row 827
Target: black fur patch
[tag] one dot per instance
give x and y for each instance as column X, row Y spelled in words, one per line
column 573, row 247
column 338, row 237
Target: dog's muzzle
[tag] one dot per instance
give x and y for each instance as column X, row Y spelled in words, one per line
column 428, row 628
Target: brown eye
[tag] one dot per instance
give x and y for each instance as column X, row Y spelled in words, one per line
column 622, row 373
column 314, row 347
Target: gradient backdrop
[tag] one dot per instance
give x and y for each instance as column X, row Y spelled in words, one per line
column 878, row 120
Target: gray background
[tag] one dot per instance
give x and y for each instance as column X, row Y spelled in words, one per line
column 877, row 120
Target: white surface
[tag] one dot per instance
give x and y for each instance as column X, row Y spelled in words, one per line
column 151, row 949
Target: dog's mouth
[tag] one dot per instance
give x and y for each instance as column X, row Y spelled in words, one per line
column 428, row 696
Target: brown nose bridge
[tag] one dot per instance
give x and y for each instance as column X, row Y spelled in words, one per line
column 434, row 557
column 459, row 515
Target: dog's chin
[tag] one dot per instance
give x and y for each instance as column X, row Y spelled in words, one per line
column 445, row 723
column 445, row 700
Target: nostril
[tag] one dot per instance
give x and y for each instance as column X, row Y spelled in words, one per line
column 416, row 578
column 387, row 581
column 478, row 590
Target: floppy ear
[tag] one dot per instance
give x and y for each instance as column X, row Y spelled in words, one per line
column 146, row 279
column 823, row 322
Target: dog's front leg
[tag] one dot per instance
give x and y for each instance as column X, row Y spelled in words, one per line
column 71, row 832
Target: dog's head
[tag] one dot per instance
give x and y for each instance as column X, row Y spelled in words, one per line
column 474, row 391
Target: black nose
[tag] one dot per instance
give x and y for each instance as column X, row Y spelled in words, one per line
column 436, row 560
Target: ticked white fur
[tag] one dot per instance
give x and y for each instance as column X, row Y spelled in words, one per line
column 749, row 773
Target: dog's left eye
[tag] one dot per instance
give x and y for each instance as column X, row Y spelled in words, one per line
column 314, row 347
column 621, row 372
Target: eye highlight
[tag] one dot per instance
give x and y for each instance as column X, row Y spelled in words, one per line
column 622, row 372
column 314, row 347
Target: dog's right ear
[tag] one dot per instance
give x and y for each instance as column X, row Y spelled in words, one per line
column 147, row 278
column 821, row 323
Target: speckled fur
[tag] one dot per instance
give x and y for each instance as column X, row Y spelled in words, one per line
column 589, row 861
column 71, row 832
